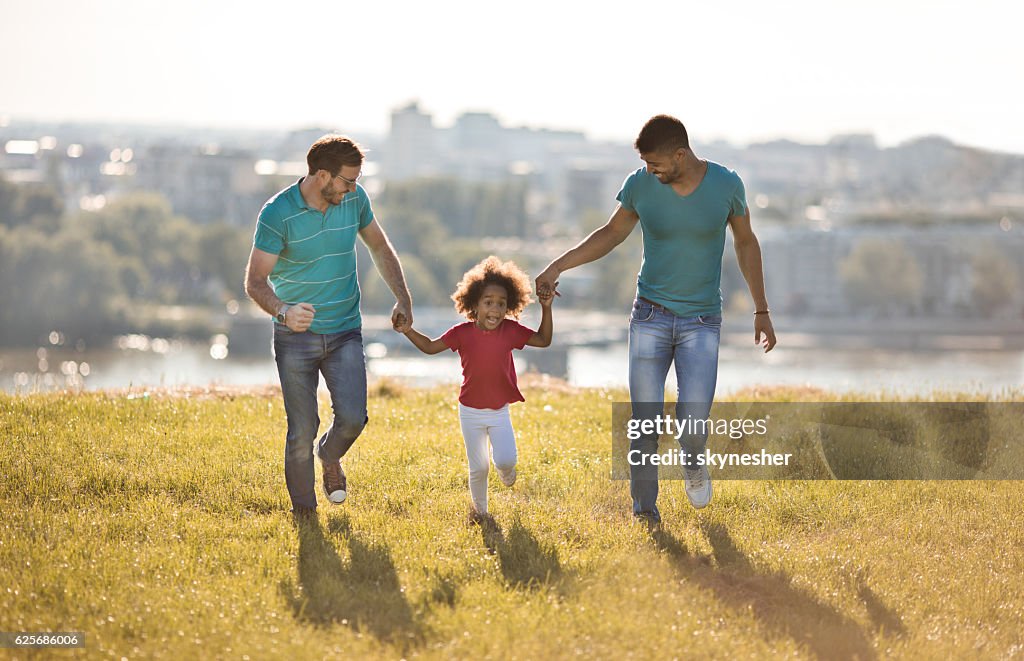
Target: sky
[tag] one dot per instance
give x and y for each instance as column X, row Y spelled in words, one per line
column 742, row 71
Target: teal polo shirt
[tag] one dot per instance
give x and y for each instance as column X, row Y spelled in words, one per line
column 316, row 254
column 684, row 237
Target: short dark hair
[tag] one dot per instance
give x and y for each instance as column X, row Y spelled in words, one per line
column 492, row 271
column 662, row 133
column 332, row 152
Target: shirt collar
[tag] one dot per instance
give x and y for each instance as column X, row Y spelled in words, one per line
column 296, row 195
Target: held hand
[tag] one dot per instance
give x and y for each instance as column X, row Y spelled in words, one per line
column 299, row 317
column 401, row 318
column 546, row 298
column 762, row 324
column 547, row 283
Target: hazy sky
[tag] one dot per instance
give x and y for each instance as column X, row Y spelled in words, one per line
column 740, row 70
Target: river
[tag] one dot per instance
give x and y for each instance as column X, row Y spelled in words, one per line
column 149, row 362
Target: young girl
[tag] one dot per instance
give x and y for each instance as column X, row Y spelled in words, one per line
column 489, row 292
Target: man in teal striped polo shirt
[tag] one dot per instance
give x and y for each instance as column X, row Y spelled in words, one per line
column 302, row 271
column 683, row 205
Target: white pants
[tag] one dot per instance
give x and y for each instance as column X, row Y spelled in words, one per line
column 477, row 425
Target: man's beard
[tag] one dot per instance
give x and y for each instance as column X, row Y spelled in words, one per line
column 670, row 176
column 329, row 193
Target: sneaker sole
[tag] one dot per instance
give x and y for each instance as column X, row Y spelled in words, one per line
column 337, row 497
column 700, row 506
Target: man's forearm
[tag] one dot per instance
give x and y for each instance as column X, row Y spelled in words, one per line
column 597, row 245
column 390, row 270
column 748, row 255
column 261, row 292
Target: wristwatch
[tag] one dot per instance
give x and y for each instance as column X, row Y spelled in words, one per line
column 282, row 312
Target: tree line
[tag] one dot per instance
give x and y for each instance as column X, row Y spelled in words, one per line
column 92, row 274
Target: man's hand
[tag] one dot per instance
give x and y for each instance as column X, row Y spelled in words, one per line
column 401, row 317
column 299, row 317
column 547, row 283
column 762, row 324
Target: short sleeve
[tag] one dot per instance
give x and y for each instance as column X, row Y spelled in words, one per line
column 365, row 209
column 625, row 196
column 520, row 334
column 738, row 201
column 452, row 337
column 270, row 232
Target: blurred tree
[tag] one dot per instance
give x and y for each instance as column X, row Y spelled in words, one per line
column 501, row 209
column 994, row 280
column 463, row 254
column 413, row 230
column 141, row 227
column 591, row 220
column 377, row 298
column 223, row 254
column 464, row 209
column 63, row 282
column 733, row 286
column 38, row 205
column 880, row 276
column 131, row 224
column 615, row 284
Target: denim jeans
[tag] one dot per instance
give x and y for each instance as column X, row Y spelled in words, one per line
column 657, row 338
column 301, row 358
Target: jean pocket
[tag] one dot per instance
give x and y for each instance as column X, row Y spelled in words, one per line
column 281, row 329
column 641, row 312
column 712, row 320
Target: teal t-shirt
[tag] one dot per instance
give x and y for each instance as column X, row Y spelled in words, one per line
column 684, row 237
column 316, row 254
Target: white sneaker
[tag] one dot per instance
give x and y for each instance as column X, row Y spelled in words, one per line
column 508, row 478
column 698, row 486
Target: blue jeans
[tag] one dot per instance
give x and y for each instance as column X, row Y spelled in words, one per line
column 656, row 339
column 301, row 358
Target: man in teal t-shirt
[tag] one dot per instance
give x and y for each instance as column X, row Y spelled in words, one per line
column 302, row 271
column 683, row 205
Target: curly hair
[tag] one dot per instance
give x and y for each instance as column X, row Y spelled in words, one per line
column 492, row 271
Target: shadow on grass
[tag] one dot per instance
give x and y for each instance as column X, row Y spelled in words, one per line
column 781, row 607
column 884, row 619
column 362, row 591
column 524, row 562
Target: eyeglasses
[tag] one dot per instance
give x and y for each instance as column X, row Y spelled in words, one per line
column 350, row 182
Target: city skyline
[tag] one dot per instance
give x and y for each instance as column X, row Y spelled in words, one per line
column 802, row 72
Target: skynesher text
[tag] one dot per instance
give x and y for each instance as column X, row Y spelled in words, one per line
column 708, row 458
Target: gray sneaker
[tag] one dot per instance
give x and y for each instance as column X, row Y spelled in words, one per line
column 508, row 478
column 698, row 486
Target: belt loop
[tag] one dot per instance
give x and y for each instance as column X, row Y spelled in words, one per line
column 656, row 306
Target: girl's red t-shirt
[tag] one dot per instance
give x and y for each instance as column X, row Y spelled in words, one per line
column 488, row 373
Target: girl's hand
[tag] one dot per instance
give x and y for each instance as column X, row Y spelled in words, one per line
column 546, row 298
column 401, row 316
column 547, row 281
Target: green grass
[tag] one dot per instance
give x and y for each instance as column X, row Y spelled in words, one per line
column 159, row 526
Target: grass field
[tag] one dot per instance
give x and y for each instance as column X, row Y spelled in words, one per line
column 159, row 526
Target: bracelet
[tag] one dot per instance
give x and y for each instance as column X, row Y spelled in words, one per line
column 762, row 311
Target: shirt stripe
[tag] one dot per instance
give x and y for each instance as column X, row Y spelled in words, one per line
column 313, row 261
